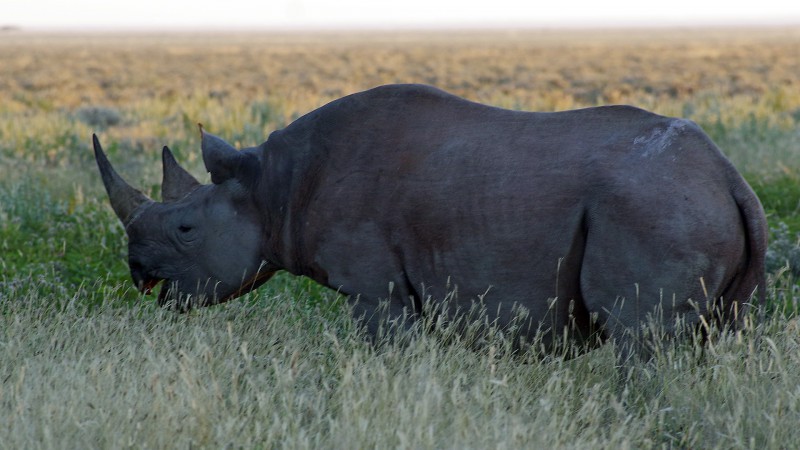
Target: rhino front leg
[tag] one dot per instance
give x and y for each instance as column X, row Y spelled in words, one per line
column 383, row 318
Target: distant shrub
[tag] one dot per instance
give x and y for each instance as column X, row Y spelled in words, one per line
column 98, row 116
column 783, row 250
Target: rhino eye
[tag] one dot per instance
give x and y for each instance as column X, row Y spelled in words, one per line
column 187, row 233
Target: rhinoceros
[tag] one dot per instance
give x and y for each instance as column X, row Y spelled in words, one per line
column 589, row 220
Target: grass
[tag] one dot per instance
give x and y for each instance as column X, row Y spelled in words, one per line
column 251, row 375
column 87, row 362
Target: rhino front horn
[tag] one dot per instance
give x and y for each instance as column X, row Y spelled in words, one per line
column 124, row 199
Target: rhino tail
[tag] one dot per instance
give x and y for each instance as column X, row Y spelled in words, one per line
column 750, row 286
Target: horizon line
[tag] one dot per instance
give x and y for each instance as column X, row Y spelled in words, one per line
column 410, row 27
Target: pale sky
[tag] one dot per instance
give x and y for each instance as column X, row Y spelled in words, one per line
column 271, row 14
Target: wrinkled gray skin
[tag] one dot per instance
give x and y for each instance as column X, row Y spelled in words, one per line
column 590, row 219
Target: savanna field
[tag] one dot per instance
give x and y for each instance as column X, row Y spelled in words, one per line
column 88, row 362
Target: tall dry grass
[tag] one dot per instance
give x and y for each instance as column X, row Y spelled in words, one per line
column 274, row 373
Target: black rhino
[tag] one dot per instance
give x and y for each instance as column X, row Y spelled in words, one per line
column 588, row 219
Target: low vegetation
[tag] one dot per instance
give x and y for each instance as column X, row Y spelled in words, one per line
column 87, row 362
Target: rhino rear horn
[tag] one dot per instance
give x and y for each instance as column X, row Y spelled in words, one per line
column 222, row 160
column 124, row 199
column 176, row 182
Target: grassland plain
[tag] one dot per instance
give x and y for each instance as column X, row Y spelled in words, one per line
column 85, row 362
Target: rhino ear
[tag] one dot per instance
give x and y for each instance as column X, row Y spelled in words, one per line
column 125, row 200
column 222, row 160
column 177, row 182
column 225, row 163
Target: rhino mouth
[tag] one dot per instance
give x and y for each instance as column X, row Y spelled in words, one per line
column 146, row 287
column 169, row 294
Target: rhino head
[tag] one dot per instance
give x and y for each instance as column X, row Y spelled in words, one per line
column 203, row 241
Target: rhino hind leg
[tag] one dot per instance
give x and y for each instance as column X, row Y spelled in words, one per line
column 642, row 317
column 384, row 313
column 645, row 295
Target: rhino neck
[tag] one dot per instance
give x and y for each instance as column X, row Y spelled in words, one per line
column 286, row 187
